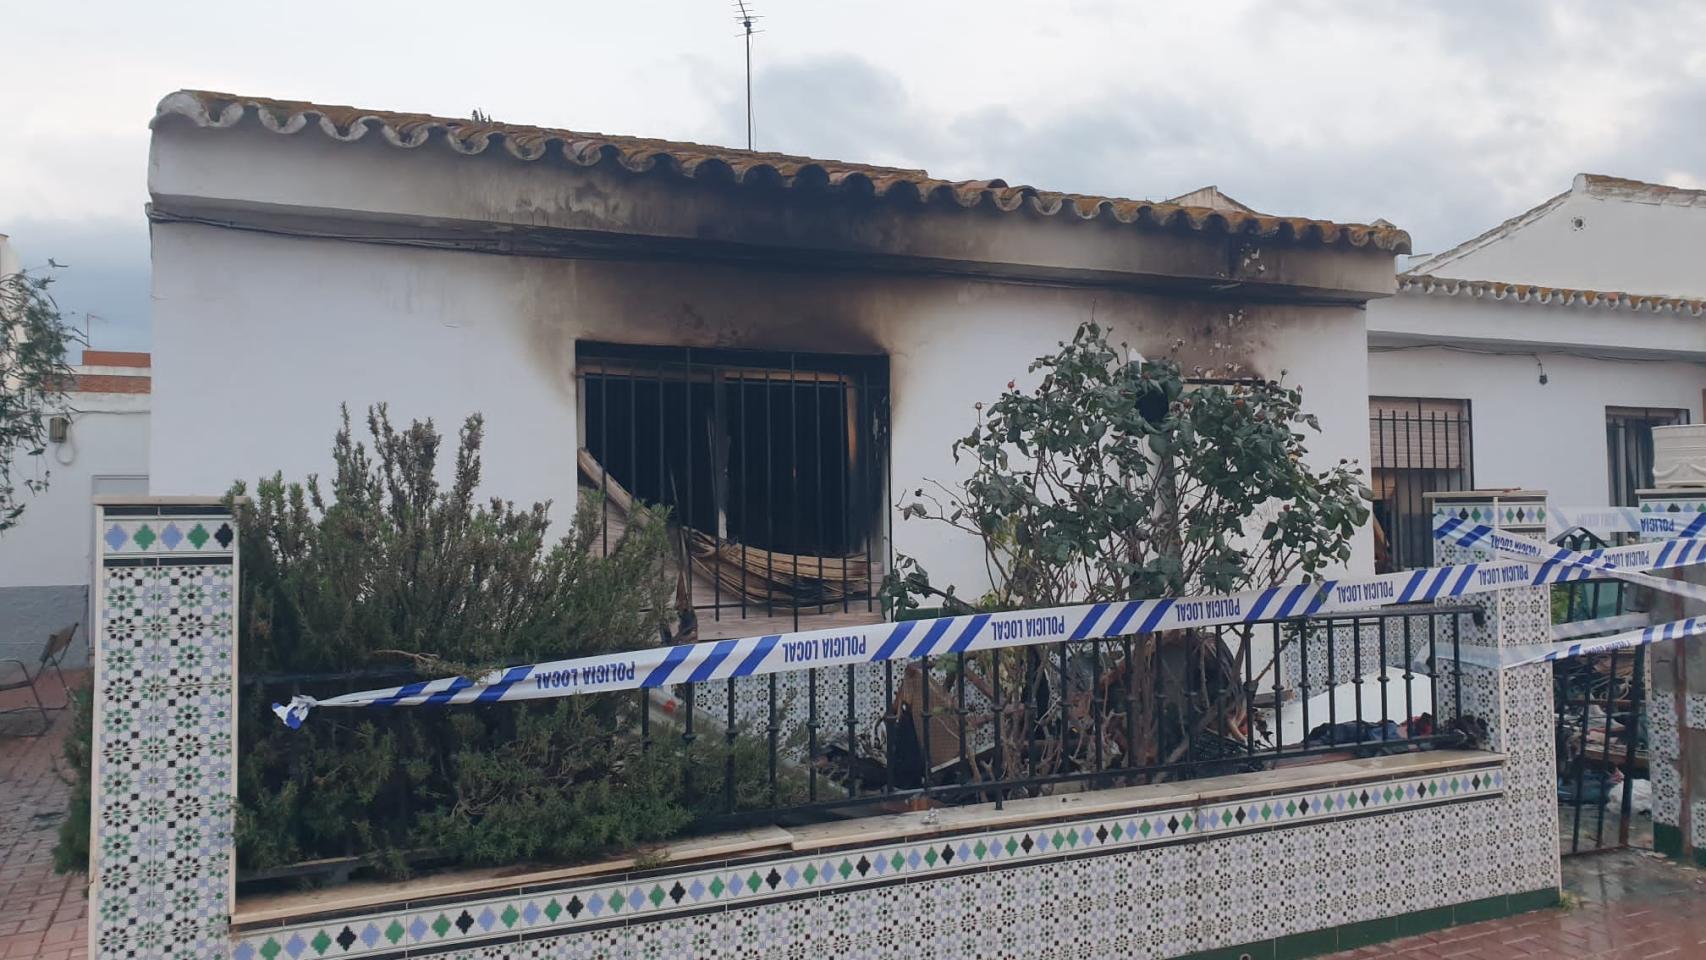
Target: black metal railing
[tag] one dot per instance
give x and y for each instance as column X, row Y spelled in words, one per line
column 1598, row 705
column 1415, row 453
column 774, row 467
column 988, row 726
column 997, row 725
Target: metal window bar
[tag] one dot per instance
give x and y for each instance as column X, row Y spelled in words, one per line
column 1629, row 448
column 1416, row 449
column 769, row 462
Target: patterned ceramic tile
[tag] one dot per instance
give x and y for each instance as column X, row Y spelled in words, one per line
column 1694, row 712
column 917, row 864
column 207, row 533
column 164, row 738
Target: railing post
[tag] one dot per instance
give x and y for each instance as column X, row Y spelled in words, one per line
column 162, row 861
column 1515, row 704
column 1676, row 696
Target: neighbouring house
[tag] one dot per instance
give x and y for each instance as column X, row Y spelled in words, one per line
column 1540, row 354
column 776, row 346
column 97, row 445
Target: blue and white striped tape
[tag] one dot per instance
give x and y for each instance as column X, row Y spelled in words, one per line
column 839, row 646
column 1547, row 652
column 1606, row 521
column 1600, row 563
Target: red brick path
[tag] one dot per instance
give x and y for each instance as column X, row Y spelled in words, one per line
column 1624, row 906
column 42, row 914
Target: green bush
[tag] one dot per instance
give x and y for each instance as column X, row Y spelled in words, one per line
column 384, row 576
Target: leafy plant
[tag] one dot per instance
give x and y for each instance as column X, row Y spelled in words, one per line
column 382, row 575
column 1120, row 478
column 33, row 381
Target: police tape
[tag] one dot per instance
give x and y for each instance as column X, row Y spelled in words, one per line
column 1601, row 563
column 1522, row 655
column 1606, row 521
column 908, row 639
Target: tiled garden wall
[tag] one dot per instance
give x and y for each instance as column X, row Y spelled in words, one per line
column 1676, row 710
column 1271, row 859
column 165, row 729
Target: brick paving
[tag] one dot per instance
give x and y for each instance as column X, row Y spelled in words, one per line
column 1625, row 905
column 42, row 914
column 1622, row 905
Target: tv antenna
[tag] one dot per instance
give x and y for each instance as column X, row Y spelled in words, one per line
column 745, row 16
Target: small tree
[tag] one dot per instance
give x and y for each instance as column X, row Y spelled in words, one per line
column 1121, row 478
column 33, row 380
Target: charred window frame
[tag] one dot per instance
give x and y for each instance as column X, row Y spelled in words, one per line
column 775, row 467
column 1417, row 446
column 1629, row 448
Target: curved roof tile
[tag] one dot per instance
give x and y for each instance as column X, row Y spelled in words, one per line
column 1558, row 296
column 701, row 162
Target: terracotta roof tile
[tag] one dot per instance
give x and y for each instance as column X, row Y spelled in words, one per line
column 699, row 161
column 1557, row 296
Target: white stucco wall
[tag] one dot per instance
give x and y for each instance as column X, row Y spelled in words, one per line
column 1540, row 437
column 257, row 339
column 1595, row 242
column 45, row 561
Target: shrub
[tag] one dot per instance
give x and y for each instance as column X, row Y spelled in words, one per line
column 382, row 576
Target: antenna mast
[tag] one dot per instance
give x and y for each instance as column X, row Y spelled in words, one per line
column 744, row 16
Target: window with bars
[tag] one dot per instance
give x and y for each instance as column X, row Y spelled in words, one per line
column 1417, row 446
column 1629, row 448
column 774, row 466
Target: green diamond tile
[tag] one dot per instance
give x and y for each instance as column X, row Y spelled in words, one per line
column 198, row 535
column 930, row 856
column 1186, row 823
column 810, row 872
column 980, row 849
column 1012, row 845
column 656, row 896
column 510, row 915
column 271, row 949
column 1291, row 808
column 1226, row 818
column 618, row 901
column 320, row 942
column 1143, row 828
column 395, row 931
column 717, row 887
column 144, row 536
column 755, row 881
column 846, row 869
column 1118, row 831
column 553, row 909
column 1267, row 811
column 441, row 926
column 898, row 861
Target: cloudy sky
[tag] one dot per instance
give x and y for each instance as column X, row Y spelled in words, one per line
column 1441, row 117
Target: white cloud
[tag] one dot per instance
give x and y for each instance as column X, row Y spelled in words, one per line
column 1444, row 118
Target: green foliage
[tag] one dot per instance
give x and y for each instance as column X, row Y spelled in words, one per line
column 33, row 379
column 71, row 853
column 1119, row 478
column 381, row 576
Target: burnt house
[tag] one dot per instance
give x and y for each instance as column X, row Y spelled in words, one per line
column 772, row 345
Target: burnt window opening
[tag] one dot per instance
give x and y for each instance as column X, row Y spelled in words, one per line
column 776, row 463
column 1417, row 446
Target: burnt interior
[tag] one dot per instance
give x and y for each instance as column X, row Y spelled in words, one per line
column 781, row 451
